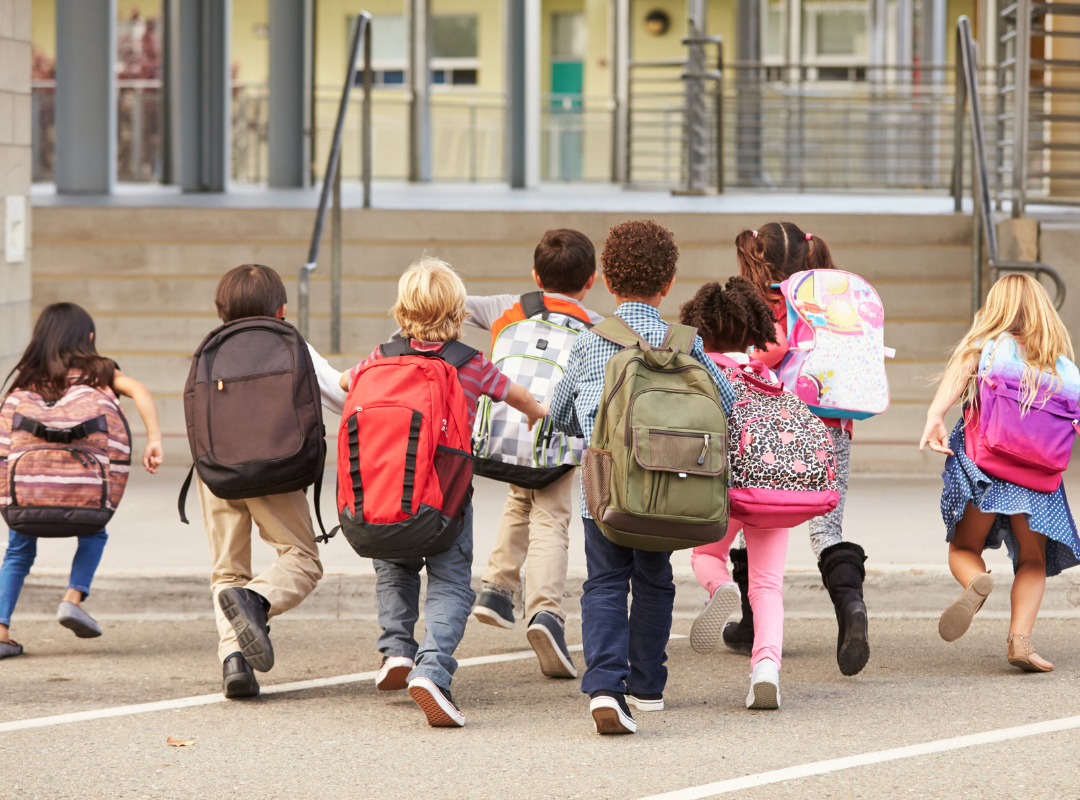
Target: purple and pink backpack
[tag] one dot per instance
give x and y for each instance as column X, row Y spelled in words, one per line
column 783, row 464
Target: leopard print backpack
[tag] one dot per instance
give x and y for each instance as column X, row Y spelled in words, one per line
column 783, row 464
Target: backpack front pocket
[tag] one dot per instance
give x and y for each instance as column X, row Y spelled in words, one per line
column 68, row 477
column 680, row 451
column 681, row 473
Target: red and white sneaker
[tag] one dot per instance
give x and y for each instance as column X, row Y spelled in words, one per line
column 394, row 674
column 436, row 704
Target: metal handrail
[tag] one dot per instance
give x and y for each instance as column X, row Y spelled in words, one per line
column 332, row 186
column 982, row 214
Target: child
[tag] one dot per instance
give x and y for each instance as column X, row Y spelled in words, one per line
column 981, row 511
column 284, row 520
column 61, row 354
column 535, row 522
column 767, row 257
column 730, row 320
column 624, row 657
column 430, row 310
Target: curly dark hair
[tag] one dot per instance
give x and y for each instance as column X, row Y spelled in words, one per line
column 639, row 258
column 730, row 319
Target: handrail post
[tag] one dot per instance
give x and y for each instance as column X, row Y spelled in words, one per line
column 365, row 120
column 720, row 117
column 335, row 267
column 976, row 237
column 1022, row 84
column 958, row 128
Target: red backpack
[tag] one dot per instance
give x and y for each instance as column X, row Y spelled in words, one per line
column 404, row 458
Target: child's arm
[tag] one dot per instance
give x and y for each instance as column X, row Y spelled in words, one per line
column 483, row 311
column 153, row 455
column 935, row 434
column 329, row 382
column 521, row 398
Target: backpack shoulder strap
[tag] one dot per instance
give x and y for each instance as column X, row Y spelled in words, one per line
column 398, row 347
column 456, row 354
column 680, row 338
column 617, row 331
column 532, row 305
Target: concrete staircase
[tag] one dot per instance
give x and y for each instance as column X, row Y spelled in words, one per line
column 148, row 277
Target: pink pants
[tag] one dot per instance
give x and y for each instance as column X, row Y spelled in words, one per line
column 766, row 550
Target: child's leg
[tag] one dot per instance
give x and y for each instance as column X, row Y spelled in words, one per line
column 397, row 593
column 767, row 551
column 446, row 609
column 709, row 561
column 966, row 548
column 827, row 530
column 511, row 541
column 549, row 547
column 284, row 522
column 605, row 627
column 1029, row 583
column 84, row 565
column 650, row 621
column 18, row 558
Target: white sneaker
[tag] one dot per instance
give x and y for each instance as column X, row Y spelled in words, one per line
column 705, row 632
column 764, row 685
column 394, row 674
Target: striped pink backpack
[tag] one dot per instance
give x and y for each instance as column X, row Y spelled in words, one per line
column 64, row 466
column 782, row 460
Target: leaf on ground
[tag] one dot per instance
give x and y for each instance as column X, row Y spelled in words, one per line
column 172, row 741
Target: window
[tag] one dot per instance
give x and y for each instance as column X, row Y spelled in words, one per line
column 454, row 46
column 454, row 36
column 834, row 32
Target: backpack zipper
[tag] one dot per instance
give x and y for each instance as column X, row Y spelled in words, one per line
column 704, row 450
column 634, row 396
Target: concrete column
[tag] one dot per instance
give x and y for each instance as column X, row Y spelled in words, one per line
column 934, row 37
column 878, row 20
column 291, row 52
column 620, row 73
column 170, row 91
column 85, row 96
column 523, row 92
column 205, row 106
column 420, row 90
column 748, row 121
column 905, row 37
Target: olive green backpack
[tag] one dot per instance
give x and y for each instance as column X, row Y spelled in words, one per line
column 655, row 474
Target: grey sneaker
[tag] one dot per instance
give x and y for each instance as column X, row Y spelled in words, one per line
column 493, row 607
column 75, row 619
column 548, row 639
column 10, row 648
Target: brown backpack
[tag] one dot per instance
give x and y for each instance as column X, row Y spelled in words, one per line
column 254, row 412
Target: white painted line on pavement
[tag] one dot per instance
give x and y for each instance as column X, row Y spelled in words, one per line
column 280, row 688
column 837, row 764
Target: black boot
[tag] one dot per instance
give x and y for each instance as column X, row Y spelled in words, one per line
column 842, row 573
column 739, row 636
column 237, row 678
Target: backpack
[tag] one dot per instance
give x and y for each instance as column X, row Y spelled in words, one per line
column 404, row 465
column 530, row 344
column 65, row 464
column 254, row 412
column 1029, row 447
column 655, row 473
column 836, row 357
column 783, row 464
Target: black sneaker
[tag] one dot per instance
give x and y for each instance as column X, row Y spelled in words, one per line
column 494, row 608
column 548, row 639
column 646, row 702
column 610, row 713
column 237, row 679
column 246, row 610
column 436, row 703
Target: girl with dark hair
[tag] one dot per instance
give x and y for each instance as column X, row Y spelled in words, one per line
column 768, row 256
column 61, row 354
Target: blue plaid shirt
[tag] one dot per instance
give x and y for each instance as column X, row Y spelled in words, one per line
column 578, row 394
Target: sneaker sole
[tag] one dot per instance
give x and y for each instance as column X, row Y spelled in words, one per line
column 437, row 716
column 766, row 697
column 552, row 662
column 250, row 645
column 705, row 632
column 396, row 679
column 78, row 628
column 855, row 650
column 489, row 617
column 609, row 720
column 645, row 705
column 956, row 619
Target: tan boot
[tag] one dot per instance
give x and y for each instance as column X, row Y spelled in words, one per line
column 1022, row 654
column 956, row 619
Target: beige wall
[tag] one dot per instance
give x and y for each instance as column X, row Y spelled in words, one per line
column 14, row 173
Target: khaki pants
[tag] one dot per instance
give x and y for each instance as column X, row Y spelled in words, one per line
column 284, row 523
column 534, row 523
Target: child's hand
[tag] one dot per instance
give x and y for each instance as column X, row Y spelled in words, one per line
column 544, row 408
column 936, row 435
column 152, row 456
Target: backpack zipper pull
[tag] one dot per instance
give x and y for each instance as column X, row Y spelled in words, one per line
column 220, row 385
column 704, row 450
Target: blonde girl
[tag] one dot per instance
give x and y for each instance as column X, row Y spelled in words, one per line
column 981, row 511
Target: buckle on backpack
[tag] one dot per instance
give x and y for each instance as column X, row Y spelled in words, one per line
column 58, row 435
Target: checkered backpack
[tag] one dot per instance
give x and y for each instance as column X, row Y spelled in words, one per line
column 530, row 345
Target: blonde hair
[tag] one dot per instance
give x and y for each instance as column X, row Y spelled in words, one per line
column 1017, row 306
column 431, row 302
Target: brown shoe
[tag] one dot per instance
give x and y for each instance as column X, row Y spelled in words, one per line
column 956, row 619
column 1022, row 654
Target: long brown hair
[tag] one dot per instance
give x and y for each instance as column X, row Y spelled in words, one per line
column 776, row 251
column 62, row 342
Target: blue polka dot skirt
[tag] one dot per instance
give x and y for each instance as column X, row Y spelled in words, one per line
column 1047, row 512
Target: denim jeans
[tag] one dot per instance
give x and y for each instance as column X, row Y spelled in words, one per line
column 446, row 610
column 625, row 651
column 19, row 557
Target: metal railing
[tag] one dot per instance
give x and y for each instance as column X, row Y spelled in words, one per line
column 332, row 185
column 982, row 213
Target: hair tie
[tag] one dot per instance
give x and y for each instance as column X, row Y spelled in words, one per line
column 809, row 236
column 753, row 234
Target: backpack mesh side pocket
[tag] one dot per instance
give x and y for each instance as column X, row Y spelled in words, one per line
column 596, row 481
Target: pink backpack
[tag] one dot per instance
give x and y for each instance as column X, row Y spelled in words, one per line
column 783, row 464
column 63, row 466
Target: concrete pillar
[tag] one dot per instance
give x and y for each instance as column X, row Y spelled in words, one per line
column 523, row 92
column 291, row 60
column 85, row 96
column 878, row 19
column 620, row 73
column 205, row 106
column 170, row 91
column 748, row 120
column 420, row 90
column 905, row 37
column 934, row 36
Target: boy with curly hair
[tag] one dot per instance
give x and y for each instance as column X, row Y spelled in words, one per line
column 624, row 654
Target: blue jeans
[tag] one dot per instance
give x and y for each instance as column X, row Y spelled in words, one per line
column 446, row 610
column 625, row 652
column 20, row 555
